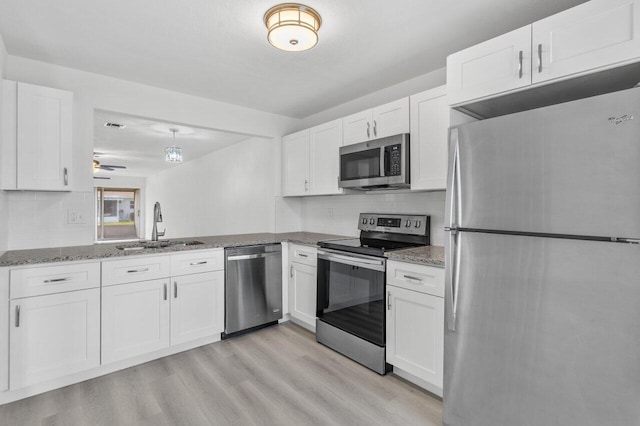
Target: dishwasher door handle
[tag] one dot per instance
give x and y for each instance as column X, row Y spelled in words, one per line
column 253, row 256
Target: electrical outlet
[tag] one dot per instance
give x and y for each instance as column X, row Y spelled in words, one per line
column 330, row 214
column 76, row 217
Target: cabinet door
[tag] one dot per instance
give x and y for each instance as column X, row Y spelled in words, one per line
column 391, row 119
column 494, row 66
column 135, row 319
column 324, row 145
column 197, row 306
column 429, row 139
column 295, row 162
column 302, row 293
column 53, row 336
column 44, row 132
column 357, row 127
column 592, row 35
column 415, row 333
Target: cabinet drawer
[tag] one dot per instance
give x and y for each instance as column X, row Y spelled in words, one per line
column 422, row 278
column 53, row 279
column 303, row 254
column 196, row 262
column 136, row 269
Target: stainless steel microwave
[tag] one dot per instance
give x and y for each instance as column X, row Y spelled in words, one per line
column 378, row 164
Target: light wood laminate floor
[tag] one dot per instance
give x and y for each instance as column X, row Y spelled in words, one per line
column 276, row 376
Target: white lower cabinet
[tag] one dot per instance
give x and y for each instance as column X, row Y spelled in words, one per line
column 146, row 316
column 197, row 306
column 415, row 324
column 53, row 336
column 302, row 285
column 135, row 319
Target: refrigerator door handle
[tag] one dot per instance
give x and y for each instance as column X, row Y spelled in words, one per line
column 452, row 205
column 452, row 221
column 451, row 277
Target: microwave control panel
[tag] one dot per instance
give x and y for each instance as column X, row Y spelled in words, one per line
column 393, row 154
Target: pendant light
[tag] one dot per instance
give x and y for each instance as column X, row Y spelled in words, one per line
column 173, row 154
column 292, row 26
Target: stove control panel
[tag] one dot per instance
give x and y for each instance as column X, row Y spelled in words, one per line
column 394, row 223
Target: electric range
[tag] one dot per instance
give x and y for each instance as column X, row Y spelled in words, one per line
column 351, row 285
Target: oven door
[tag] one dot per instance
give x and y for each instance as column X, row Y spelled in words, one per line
column 351, row 294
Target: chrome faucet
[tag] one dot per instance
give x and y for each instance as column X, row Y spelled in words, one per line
column 157, row 217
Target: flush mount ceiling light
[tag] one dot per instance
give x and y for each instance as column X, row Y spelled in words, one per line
column 292, row 27
column 173, row 154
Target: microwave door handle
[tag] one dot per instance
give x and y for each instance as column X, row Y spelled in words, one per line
column 383, row 161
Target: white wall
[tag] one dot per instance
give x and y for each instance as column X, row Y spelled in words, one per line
column 345, row 210
column 4, row 201
column 39, row 219
column 229, row 191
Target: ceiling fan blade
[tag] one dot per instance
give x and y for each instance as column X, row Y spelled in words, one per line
column 101, row 177
column 112, row 166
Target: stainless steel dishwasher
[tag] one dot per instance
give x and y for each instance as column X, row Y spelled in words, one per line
column 253, row 288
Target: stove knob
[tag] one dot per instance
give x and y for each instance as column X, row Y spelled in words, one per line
column 371, row 221
column 364, row 221
column 408, row 224
column 418, row 223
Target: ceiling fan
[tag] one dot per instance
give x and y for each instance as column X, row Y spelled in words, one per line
column 109, row 167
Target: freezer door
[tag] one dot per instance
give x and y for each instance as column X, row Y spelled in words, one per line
column 570, row 169
column 546, row 332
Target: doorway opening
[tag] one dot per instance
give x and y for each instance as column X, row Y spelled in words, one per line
column 118, row 214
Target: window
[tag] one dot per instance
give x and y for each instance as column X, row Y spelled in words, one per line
column 118, row 215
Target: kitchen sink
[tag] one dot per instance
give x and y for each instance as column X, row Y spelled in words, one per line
column 144, row 245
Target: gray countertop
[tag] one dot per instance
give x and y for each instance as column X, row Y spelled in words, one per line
column 102, row 251
column 430, row 255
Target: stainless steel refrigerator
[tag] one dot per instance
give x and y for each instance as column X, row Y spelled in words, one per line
column 543, row 267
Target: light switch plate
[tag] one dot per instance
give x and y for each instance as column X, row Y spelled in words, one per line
column 75, row 217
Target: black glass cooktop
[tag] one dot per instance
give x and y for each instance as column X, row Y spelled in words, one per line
column 373, row 247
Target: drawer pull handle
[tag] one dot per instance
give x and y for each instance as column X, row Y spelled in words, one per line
column 17, row 315
column 132, row 271
column 388, row 301
column 198, row 263
column 411, row 277
column 302, row 255
column 57, row 280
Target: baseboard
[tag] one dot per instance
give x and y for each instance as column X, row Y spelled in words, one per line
column 436, row 390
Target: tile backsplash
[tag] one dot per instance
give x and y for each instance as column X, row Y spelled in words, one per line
column 40, row 219
column 339, row 214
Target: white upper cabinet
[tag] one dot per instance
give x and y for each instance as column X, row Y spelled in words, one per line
column 429, row 139
column 36, row 138
column 385, row 120
column 295, row 162
column 310, row 160
column 391, row 119
column 595, row 34
column 494, row 66
column 324, row 150
column 357, row 127
column 592, row 36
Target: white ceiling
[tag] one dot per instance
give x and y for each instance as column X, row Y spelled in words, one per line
column 140, row 145
column 218, row 49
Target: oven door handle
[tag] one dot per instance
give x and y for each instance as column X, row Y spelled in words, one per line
column 373, row 264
